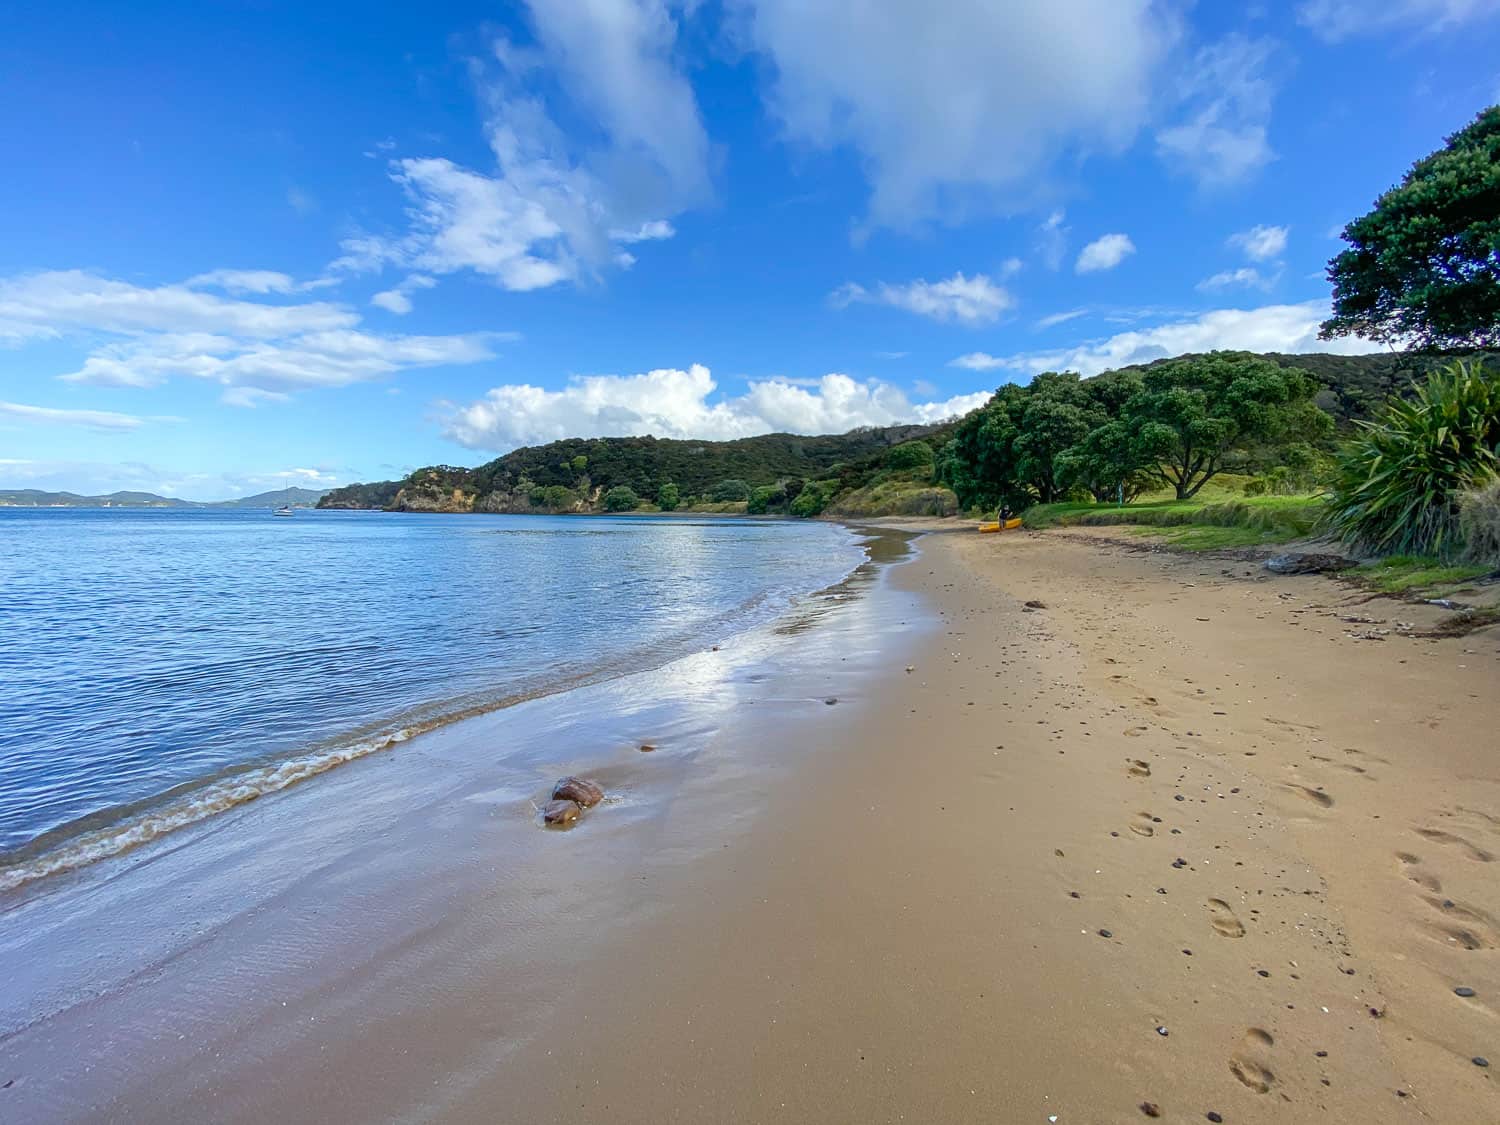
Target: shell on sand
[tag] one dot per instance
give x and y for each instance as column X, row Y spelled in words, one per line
column 586, row 793
column 560, row 814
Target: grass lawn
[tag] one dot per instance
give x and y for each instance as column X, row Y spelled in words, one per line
column 1217, row 518
column 1417, row 576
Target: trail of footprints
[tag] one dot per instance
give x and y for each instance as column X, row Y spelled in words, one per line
column 1456, row 923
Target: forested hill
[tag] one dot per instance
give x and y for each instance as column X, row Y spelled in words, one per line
column 577, row 473
column 589, row 467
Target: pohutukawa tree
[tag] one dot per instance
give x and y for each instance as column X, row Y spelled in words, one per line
column 1423, row 267
column 1191, row 413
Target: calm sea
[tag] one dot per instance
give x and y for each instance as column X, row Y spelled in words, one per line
column 212, row 655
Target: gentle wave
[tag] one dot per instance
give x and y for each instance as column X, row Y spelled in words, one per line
column 110, row 832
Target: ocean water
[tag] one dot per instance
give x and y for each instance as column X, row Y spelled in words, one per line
column 156, row 665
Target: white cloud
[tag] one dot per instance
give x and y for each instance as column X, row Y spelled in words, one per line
column 653, row 231
column 1261, row 243
column 398, row 300
column 1272, row 328
column 92, row 419
column 956, row 105
column 554, row 209
column 1104, row 253
column 1227, row 96
column 45, row 304
column 1052, row 240
column 152, row 334
column 258, row 282
column 1245, row 276
column 1061, row 318
column 677, row 403
column 1336, row 20
column 967, row 300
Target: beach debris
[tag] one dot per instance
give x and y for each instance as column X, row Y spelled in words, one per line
column 647, row 747
column 586, row 794
column 560, row 814
column 1105, row 933
column 1151, row 1109
column 1214, row 1117
column 1308, row 563
column 1464, row 991
column 1163, row 1032
column 1035, row 604
column 1480, row 1060
column 831, row 700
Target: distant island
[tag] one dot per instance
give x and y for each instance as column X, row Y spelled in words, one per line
column 36, row 498
column 871, row 471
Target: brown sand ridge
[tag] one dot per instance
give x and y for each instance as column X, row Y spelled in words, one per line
column 1173, row 840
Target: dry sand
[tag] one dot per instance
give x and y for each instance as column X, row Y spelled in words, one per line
column 1174, row 843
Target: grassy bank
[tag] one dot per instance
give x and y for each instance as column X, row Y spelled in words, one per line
column 1214, row 521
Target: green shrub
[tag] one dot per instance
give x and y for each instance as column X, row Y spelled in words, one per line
column 621, row 498
column 668, row 497
column 910, row 455
column 1398, row 483
column 554, row 497
column 1479, row 519
column 729, row 490
column 811, row 500
column 761, row 500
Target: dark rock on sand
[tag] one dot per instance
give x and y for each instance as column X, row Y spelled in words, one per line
column 1034, row 604
column 1464, row 991
column 577, row 789
column 1308, row 564
column 560, row 814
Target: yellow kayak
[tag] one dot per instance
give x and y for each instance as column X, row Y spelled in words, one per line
column 1010, row 525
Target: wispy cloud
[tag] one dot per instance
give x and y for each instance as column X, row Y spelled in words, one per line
column 1061, row 318
column 155, row 333
column 960, row 299
column 1226, row 93
column 1337, row 20
column 1272, row 328
column 91, row 419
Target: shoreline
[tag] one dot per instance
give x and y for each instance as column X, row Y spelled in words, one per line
column 117, row 829
column 1177, row 837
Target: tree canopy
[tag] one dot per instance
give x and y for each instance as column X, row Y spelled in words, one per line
column 1423, row 267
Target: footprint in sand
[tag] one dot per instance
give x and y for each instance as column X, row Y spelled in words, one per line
column 1136, row 732
column 1249, row 1063
column 1424, row 879
column 1466, row 926
column 1316, row 796
column 1224, row 920
column 1438, row 836
column 1363, row 754
column 1139, row 768
column 1141, row 823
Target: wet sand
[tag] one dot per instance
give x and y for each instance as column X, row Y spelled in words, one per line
column 1175, row 839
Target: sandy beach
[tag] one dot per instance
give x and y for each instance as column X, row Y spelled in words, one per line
column 1172, row 843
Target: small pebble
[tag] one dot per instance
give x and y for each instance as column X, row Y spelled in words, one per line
column 1105, row 933
column 1261, row 973
column 1480, row 1060
column 1464, row 991
column 1179, row 797
column 1074, row 894
column 1151, row 1109
column 1321, row 1054
column 1163, row 1032
column 831, row 700
column 1212, row 1116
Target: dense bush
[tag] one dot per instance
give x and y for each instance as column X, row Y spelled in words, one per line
column 621, row 498
column 811, row 500
column 1479, row 520
column 909, row 455
column 727, row 491
column 762, row 498
column 668, row 497
column 554, row 498
column 1399, row 482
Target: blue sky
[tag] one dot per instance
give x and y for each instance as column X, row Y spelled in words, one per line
column 258, row 243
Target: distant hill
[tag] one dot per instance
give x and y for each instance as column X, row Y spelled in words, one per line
column 575, row 472
column 282, row 497
column 35, row 498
